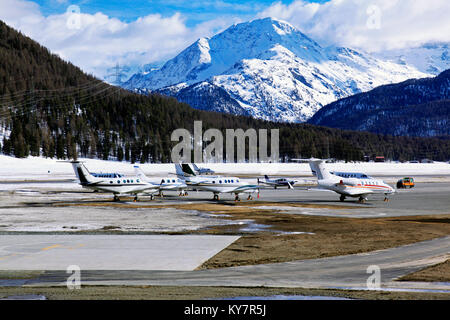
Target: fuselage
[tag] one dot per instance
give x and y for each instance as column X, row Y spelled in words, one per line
column 354, row 187
column 111, row 182
column 217, row 184
column 168, row 183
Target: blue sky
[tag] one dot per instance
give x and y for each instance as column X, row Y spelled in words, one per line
column 194, row 11
column 138, row 32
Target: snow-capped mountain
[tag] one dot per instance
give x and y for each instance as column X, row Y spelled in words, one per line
column 268, row 69
column 432, row 58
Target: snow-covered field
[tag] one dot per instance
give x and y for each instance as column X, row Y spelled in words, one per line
column 34, row 168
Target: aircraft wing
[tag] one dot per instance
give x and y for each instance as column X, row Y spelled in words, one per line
column 352, row 191
column 196, row 183
column 93, row 184
column 246, row 188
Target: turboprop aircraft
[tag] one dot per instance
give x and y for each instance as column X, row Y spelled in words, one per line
column 348, row 187
column 215, row 184
column 279, row 182
column 165, row 183
column 115, row 183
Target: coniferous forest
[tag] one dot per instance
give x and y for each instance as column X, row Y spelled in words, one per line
column 50, row 108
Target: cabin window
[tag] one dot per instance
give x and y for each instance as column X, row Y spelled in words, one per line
column 118, row 181
column 137, row 180
column 163, row 181
column 110, row 182
column 232, row 181
column 220, row 181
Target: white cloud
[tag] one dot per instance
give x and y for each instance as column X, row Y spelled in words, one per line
column 102, row 41
column 96, row 42
column 372, row 25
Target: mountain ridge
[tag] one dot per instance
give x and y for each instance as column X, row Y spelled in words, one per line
column 415, row 107
column 271, row 70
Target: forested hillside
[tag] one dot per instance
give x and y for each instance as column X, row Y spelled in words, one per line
column 416, row 107
column 50, row 108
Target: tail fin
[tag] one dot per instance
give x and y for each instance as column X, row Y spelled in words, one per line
column 188, row 170
column 81, row 172
column 139, row 173
column 179, row 171
column 319, row 170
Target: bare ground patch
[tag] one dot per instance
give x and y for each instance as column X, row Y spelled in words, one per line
column 196, row 293
column 327, row 236
column 437, row 273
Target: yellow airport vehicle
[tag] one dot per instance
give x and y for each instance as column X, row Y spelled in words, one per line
column 406, row 182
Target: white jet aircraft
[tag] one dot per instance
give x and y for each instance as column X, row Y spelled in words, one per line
column 115, row 183
column 202, row 171
column 279, row 182
column 349, row 187
column 165, row 183
column 215, row 184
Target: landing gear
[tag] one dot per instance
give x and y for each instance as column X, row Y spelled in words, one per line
column 386, row 199
column 183, row 194
column 236, row 198
column 250, row 197
column 342, row 198
column 152, row 197
column 135, row 198
column 161, row 194
column 216, row 197
column 362, row 200
column 116, row 198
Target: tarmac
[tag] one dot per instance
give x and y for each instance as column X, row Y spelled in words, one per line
column 155, row 259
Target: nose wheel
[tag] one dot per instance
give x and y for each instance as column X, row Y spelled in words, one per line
column 342, row 198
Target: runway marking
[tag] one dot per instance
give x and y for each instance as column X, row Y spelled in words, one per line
column 8, row 256
column 51, row 247
column 77, row 246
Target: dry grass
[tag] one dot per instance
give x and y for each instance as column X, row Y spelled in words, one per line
column 196, row 293
column 437, row 273
column 332, row 236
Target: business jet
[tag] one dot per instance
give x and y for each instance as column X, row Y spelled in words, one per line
column 357, row 187
column 215, row 184
column 358, row 175
column 202, row 171
column 279, row 182
column 115, row 183
column 165, row 183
